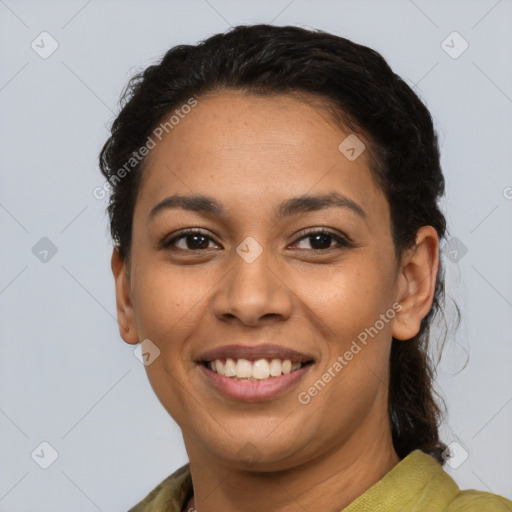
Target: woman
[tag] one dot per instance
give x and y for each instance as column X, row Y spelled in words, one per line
column 276, row 226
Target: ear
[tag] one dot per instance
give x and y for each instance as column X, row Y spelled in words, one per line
column 416, row 283
column 125, row 314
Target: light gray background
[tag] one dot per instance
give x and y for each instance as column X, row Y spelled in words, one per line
column 66, row 376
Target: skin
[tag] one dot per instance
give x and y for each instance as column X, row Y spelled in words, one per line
column 250, row 153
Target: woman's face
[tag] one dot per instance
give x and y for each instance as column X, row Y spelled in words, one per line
column 257, row 282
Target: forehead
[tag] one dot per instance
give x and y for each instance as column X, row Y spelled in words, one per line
column 245, row 148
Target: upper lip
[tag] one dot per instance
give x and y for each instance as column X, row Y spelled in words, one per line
column 254, row 352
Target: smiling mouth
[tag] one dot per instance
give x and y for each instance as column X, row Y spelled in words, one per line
column 254, row 370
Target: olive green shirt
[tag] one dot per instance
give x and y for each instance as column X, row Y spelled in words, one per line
column 418, row 483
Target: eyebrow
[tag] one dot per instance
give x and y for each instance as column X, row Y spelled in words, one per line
column 293, row 206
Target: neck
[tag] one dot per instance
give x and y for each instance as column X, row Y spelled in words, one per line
column 330, row 482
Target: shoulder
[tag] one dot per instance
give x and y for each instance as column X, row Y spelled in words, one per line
column 168, row 495
column 479, row 501
column 419, row 481
column 444, row 491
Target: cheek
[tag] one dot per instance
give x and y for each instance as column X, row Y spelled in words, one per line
column 167, row 302
column 168, row 311
column 347, row 299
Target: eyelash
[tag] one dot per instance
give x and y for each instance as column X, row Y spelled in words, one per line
column 342, row 241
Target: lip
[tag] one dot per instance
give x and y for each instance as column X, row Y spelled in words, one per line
column 253, row 391
column 254, row 352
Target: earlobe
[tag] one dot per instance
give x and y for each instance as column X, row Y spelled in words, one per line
column 416, row 283
column 124, row 305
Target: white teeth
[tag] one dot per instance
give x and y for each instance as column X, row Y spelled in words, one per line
column 243, row 368
column 229, row 368
column 275, row 367
column 260, row 369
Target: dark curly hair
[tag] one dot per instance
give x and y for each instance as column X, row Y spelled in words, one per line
column 364, row 94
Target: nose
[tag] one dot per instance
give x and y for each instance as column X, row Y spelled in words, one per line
column 253, row 293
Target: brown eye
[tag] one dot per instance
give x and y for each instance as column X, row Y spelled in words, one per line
column 196, row 241
column 322, row 240
column 189, row 240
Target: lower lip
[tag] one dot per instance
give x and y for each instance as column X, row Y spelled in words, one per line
column 253, row 391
